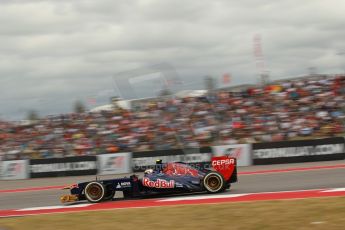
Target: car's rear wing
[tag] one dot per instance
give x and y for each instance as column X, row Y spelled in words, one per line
column 226, row 166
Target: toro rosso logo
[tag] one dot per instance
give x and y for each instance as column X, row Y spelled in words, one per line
column 223, row 162
column 159, row 183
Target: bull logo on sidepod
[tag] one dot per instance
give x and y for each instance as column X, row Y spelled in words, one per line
column 159, row 183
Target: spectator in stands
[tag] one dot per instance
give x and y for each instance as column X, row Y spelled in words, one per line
column 285, row 110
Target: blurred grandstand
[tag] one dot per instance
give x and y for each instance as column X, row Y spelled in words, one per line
column 308, row 107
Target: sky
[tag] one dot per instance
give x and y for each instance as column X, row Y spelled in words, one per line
column 53, row 53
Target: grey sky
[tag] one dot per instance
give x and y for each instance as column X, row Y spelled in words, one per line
column 55, row 52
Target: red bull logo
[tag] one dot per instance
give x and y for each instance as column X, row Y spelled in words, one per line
column 159, row 183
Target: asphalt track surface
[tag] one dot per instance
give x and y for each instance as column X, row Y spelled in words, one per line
column 270, row 181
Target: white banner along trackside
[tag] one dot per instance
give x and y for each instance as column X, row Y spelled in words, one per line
column 242, row 152
column 298, row 151
column 14, row 170
column 114, row 163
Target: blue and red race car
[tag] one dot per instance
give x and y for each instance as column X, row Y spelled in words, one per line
column 168, row 178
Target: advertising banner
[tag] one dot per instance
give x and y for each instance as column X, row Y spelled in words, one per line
column 299, row 151
column 68, row 166
column 14, row 170
column 116, row 163
column 242, row 152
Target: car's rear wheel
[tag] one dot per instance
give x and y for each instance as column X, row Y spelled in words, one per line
column 95, row 192
column 214, row 182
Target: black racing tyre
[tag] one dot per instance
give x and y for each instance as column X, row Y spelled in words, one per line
column 214, row 182
column 95, row 192
column 109, row 194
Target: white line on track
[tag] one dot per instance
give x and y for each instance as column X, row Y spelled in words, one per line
column 194, row 197
column 334, row 190
column 199, row 197
column 54, row 207
column 203, row 197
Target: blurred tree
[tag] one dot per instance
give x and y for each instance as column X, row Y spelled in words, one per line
column 79, row 107
column 32, row 115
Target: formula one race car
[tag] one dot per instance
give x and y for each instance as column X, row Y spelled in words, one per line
column 168, row 178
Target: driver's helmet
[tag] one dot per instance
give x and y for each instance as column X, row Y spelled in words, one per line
column 159, row 165
column 148, row 171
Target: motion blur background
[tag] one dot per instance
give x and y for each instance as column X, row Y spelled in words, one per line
column 197, row 73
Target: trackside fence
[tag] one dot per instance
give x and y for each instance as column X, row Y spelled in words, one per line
column 127, row 162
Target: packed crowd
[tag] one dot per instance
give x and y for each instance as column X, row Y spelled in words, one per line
column 291, row 109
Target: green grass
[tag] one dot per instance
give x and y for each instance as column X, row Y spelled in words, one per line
column 316, row 213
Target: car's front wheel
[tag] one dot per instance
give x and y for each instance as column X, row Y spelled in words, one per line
column 214, row 182
column 95, row 192
column 109, row 194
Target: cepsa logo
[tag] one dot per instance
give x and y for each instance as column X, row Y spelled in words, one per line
column 223, row 162
column 158, row 183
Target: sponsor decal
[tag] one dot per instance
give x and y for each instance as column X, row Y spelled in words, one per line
column 178, row 185
column 125, row 184
column 176, row 169
column 299, row 151
column 159, row 183
column 242, row 153
column 224, row 165
column 223, row 162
